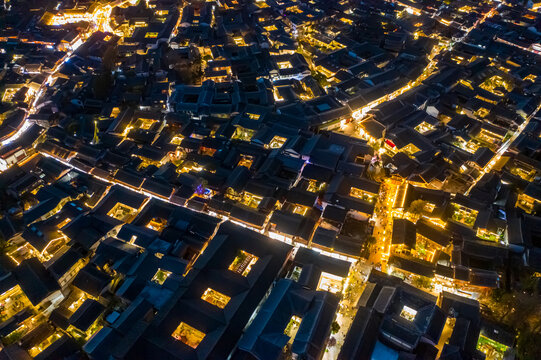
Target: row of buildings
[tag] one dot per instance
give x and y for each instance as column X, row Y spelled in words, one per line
column 193, row 180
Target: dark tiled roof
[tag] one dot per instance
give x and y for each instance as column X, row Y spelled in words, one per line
column 414, row 266
column 265, row 337
column 64, row 263
column 223, row 327
column 432, row 232
column 404, row 233
column 293, row 224
column 86, row 314
column 362, row 335
column 35, row 281
column 91, row 280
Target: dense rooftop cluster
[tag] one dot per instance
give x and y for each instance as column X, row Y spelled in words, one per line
column 262, row 179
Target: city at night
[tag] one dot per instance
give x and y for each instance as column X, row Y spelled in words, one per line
column 270, row 180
